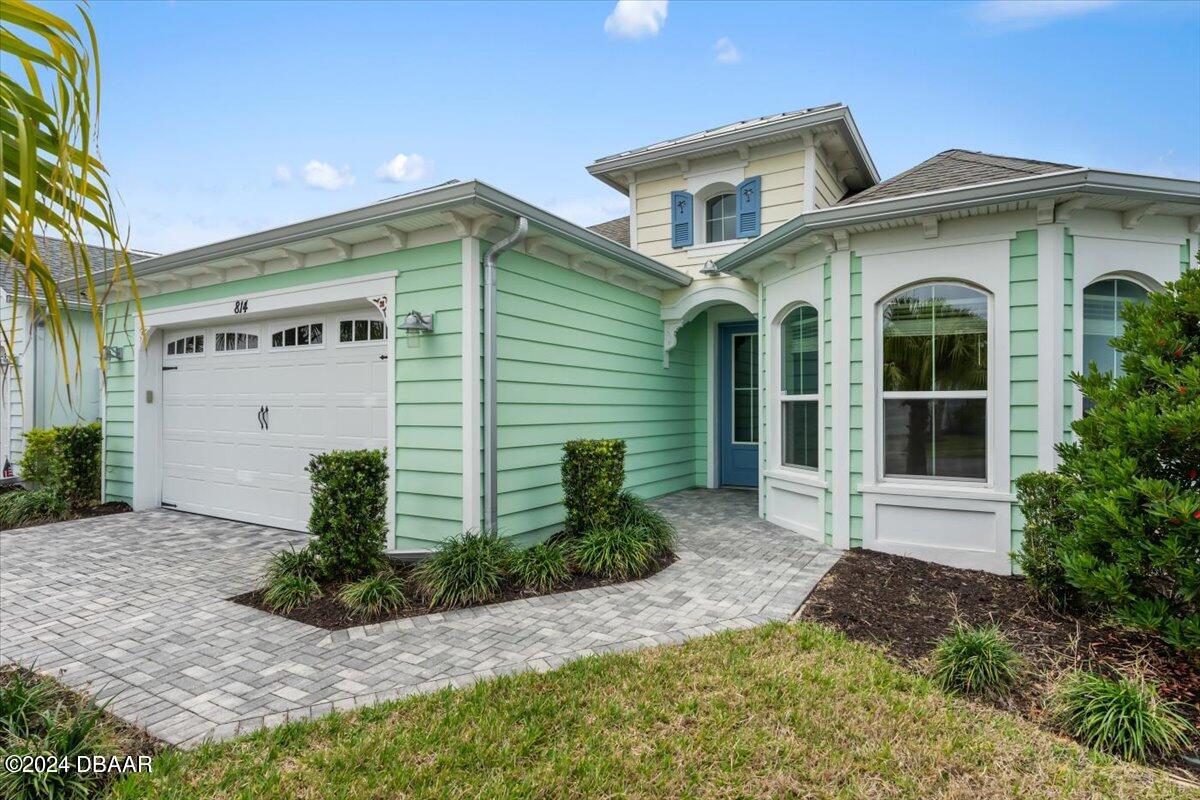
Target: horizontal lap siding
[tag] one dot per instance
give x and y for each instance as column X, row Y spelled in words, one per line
column 581, row 358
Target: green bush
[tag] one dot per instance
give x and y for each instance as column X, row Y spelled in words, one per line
column 975, row 660
column 1048, row 519
column 349, row 505
column 634, row 512
column 619, row 553
column 1124, row 717
column 289, row 591
column 540, row 568
column 1134, row 546
column 76, row 471
column 31, row 507
column 302, row 563
column 593, row 471
column 466, row 570
column 37, row 463
column 381, row 593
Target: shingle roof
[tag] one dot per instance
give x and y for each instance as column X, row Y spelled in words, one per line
column 615, row 229
column 56, row 254
column 954, row 168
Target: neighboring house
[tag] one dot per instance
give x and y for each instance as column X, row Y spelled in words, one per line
column 877, row 360
column 42, row 397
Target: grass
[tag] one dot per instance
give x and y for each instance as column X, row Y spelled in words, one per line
column 779, row 711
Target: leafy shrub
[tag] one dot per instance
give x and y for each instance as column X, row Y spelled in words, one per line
column 1048, row 519
column 289, row 591
column 349, row 504
column 975, row 660
column 381, row 593
column 1134, row 547
column 1124, row 717
column 302, row 563
column 75, row 473
column 30, row 507
column 466, row 570
column 635, row 512
column 618, row 553
column 593, row 471
column 541, row 567
column 37, row 463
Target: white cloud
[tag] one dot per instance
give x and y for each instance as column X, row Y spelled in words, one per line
column 283, row 174
column 403, row 167
column 1032, row 13
column 589, row 210
column 320, row 175
column 727, row 52
column 633, row 19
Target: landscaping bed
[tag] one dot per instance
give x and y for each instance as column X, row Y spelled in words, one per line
column 328, row 612
column 906, row 606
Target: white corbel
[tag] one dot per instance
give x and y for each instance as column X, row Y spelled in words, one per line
column 1065, row 210
column 1045, row 210
column 397, row 237
column 930, row 223
column 343, row 249
column 1133, row 217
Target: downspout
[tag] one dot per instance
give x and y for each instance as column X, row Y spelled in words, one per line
column 491, row 482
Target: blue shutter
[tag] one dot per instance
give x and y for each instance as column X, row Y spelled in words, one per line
column 681, row 219
column 749, row 207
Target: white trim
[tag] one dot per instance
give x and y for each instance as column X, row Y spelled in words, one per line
column 472, row 513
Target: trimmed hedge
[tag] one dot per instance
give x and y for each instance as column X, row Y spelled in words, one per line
column 593, row 472
column 349, row 506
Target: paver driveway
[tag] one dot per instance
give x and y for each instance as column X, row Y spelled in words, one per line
column 133, row 608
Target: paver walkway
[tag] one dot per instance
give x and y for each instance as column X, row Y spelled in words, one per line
column 132, row 607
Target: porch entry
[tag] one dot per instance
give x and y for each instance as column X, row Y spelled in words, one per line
column 737, row 403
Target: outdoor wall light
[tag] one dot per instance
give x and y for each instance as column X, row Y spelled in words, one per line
column 416, row 322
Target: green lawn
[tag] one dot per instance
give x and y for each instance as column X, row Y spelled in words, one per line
column 780, row 711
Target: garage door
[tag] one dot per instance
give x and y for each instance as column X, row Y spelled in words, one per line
column 244, row 407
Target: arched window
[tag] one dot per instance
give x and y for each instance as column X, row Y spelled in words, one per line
column 799, row 381
column 720, row 218
column 934, row 382
column 1102, row 302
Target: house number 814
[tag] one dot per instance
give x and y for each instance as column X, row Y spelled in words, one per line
column 241, row 306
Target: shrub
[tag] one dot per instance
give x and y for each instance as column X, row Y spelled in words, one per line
column 1048, row 519
column 541, row 567
column 1124, row 717
column 30, row 507
column 1134, row 547
column 76, row 468
column 593, row 471
column 349, row 503
column 975, row 660
column 636, row 513
column 302, row 563
column 288, row 592
column 466, row 570
column 381, row 593
column 618, row 553
column 37, row 463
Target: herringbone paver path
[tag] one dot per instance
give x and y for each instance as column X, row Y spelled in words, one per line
column 133, row 608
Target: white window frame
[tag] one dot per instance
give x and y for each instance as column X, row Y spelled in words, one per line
column 286, row 348
column 782, row 397
column 175, row 336
column 987, row 394
column 337, row 326
column 733, row 388
column 257, row 331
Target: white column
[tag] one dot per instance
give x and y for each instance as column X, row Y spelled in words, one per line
column 840, row 387
column 1050, row 342
column 472, row 365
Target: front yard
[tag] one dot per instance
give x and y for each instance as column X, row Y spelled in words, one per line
column 782, row 710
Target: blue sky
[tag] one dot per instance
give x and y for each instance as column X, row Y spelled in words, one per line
column 223, row 118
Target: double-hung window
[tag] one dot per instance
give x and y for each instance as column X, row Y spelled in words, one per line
column 935, row 382
column 799, row 406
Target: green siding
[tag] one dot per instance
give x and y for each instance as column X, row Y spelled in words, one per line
column 856, row 401
column 1068, row 362
column 827, row 357
column 582, row 358
column 1023, row 365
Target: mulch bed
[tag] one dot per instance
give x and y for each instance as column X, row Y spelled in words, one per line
column 102, row 510
column 328, row 613
column 906, row 605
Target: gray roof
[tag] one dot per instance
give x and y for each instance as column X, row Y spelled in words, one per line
column 63, row 264
column 615, row 229
column 951, row 169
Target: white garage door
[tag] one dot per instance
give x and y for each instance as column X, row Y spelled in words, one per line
column 244, row 407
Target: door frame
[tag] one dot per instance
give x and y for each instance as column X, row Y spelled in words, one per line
column 723, row 422
column 148, row 360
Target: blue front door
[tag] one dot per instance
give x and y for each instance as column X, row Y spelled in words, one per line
column 737, row 403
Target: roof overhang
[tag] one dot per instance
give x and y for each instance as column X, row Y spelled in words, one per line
column 1182, row 196
column 614, row 170
column 472, row 206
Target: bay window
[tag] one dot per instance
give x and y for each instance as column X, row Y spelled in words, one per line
column 799, row 406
